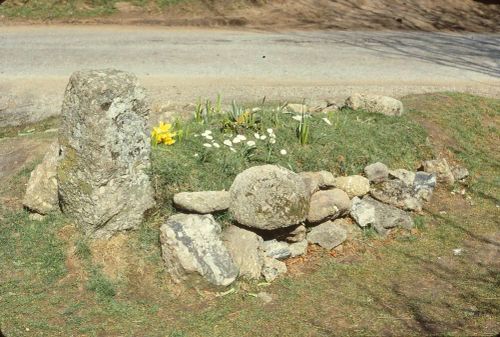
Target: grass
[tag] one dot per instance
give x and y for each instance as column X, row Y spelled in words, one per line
column 57, row 9
column 413, row 285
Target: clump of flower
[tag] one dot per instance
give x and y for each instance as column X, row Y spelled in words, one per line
column 162, row 134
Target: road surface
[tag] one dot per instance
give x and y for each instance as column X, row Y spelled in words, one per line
column 179, row 65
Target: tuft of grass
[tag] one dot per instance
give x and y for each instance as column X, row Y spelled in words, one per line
column 101, row 285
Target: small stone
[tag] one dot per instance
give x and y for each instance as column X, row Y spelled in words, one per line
column 460, row 173
column 265, row 297
column 41, row 194
column 297, row 108
column 396, row 193
column 354, row 186
column 190, row 243
column 423, row 185
column 375, row 104
column 269, row 197
column 276, row 249
column 352, row 230
column 404, row 175
column 377, row 172
column 273, row 268
column 36, row 217
column 245, row 249
column 328, row 204
column 328, row 235
column 441, row 169
column 298, row 248
column 317, row 180
column 202, row 202
column 370, row 212
column 297, row 235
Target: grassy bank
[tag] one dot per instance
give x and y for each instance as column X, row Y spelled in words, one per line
column 52, row 282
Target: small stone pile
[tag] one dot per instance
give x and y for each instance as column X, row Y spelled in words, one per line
column 277, row 213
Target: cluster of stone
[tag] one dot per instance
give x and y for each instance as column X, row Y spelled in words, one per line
column 278, row 213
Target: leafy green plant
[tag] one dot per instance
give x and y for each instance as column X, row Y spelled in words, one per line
column 303, row 130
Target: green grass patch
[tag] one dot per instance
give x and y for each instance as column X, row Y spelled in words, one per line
column 345, row 145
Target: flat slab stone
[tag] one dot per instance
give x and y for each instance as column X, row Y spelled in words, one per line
column 202, row 202
column 191, row 243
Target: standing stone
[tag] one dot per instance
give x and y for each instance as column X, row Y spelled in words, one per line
column 423, row 185
column 377, row 172
column 441, row 169
column 328, row 204
column 104, row 152
column 202, row 202
column 269, row 197
column 375, row 104
column 328, row 235
column 245, row 249
column 354, row 186
column 190, row 243
column 41, row 194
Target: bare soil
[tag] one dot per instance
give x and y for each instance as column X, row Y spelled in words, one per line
column 425, row 15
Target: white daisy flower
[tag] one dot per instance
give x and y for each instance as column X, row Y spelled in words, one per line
column 251, row 143
column 209, row 137
column 297, row 118
column 207, row 145
column 206, row 133
column 270, row 131
column 232, row 149
column 216, row 145
column 228, row 143
column 283, row 152
column 263, row 137
column 256, row 135
column 242, row 137
column 272, row 135
column 327, row 121
column 236, row 140
column 272, row 140
column 196, row 155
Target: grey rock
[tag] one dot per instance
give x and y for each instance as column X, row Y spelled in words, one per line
column 328, row 235
column 317, row 180
column 276, row 249
column 190, row 243
column 376, row 104
column 298, row 248
column 202, row 202
column 297, row 235
column 245, row 249
column 441, row 169
column 273, row 268
column 377, row 172
column 397, row 193
column 328, row 204
column 404, row 175
column 354, row 186
column 269, row 197
column 105, row 151
column 423, row 185
column 36, row 217
column 265, row 297
column 460, row 172
column 352, row 230
column 41, row 193
column 370, row 212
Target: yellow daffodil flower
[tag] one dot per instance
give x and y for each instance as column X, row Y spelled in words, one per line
column 162, row 134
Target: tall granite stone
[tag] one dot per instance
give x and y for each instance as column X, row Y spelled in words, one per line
column 104, row 152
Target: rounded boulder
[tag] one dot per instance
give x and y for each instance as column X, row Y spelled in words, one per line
column 269, row 197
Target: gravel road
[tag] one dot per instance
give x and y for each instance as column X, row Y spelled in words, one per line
column 179, row 65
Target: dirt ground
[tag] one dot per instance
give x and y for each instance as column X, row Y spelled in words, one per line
column 426, row 15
